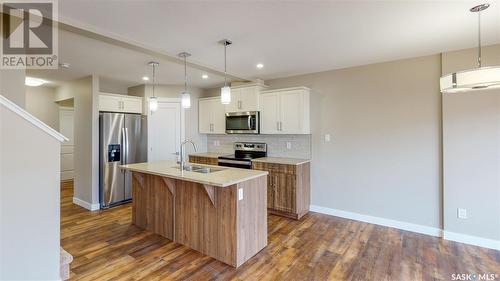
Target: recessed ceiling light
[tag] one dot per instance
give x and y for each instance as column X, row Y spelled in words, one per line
column 145, row 78
column 34, row 82
column 204, row 76
column 260, row 65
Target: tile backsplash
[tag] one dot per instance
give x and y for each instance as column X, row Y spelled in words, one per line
column 299, row 145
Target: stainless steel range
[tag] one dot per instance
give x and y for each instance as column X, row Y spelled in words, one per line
column 244, row 152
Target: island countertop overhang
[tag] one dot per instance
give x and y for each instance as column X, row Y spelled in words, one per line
column 225, row 177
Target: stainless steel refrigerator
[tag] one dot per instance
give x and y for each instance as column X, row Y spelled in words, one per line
column 122, row 140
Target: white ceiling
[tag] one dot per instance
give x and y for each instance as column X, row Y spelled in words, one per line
column 117, row 65
column 289, row 37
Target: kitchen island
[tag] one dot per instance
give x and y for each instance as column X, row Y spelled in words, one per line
column 218, row 211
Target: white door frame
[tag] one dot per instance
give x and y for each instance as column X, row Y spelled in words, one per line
column 63, row 109
column 183, row 119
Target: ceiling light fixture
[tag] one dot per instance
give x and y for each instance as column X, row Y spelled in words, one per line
column 204, row 76
column 65, row 65
column 145, row 78
column 472, row 79
column 153, row 100
column 34, row 82
column 185, row 96
column 225, row 92
column 260, row 66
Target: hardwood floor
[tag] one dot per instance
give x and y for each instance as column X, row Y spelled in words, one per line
column 105, row 246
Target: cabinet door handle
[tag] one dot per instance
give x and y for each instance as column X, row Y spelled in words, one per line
column 281, row 126
column 277, row 126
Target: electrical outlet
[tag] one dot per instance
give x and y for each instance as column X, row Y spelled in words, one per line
column 327, row 137
column 288, row 145
column 462, row 213
column 216, row 143
column 240, row 193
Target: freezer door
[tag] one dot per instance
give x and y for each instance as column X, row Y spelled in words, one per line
column 111, row 155
column 135, row 146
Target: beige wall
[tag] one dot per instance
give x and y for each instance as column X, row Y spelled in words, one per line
column 85, row 137
column 471, row 142
column 12, row 86
column 384, row 157
column 191, row 114
column 29, row 201
column 40, row 101
column 113, row 86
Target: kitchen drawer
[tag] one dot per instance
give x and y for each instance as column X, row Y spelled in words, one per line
column 274, row 167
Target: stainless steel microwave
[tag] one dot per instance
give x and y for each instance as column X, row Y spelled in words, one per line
column 242, row 122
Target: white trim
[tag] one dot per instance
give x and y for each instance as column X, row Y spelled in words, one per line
column 32, row 119
column 286, row 89
column 86, row 205
column 428, row 230
column 472, row 240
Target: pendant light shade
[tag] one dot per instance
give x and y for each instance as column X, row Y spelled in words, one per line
column 225, row 92
column 185, row 95
column 153, row 104
column 225, row 95
column 186, row 100
column 472, row 79
column 153, row 100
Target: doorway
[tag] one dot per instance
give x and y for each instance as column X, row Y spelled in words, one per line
column 66, row 127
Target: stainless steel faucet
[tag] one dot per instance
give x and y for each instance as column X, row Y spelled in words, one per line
column 183, row 152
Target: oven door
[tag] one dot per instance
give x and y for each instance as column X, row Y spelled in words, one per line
column 242, row 122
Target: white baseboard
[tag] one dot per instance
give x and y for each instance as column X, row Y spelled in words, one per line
column 472, row 240
column 432, row 231
column 428, row 230
column 86, row 205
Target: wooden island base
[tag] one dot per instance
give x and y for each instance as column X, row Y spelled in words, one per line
column 206, row 218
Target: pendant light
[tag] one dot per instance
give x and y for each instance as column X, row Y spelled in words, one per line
column 225, row 92
column 472, row 79
column 153, row 100
column 185, row 96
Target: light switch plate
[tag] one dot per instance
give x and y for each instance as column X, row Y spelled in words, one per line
column 240, row 194
column 462, row 213
column 327, row 137
column 288, row 145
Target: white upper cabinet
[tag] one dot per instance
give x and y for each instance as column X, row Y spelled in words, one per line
column 285, row 111
column 244, row 98
column 269, row 114
column 211, row 116
column 120, row 103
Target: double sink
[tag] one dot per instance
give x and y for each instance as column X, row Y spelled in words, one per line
column 200, row 169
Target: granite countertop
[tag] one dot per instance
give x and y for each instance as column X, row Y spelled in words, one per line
column 170, row 169
column 282, row 160
column 209, row 154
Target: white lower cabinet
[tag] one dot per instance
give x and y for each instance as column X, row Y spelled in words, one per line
column 285, row 111
column 211, row 116
column 120, row 103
